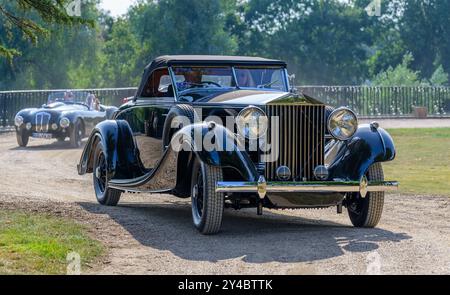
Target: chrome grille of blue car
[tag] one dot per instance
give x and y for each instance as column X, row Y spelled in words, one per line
column 301, row 139
column 42, row 122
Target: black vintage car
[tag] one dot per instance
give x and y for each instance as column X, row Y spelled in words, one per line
column 66, row 114
column 227, row 132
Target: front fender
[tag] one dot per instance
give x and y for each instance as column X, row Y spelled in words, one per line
column 119, row 149
column 224, row 152
column 351, row 160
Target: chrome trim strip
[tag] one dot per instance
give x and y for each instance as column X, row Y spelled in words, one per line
column 174, row 83
column 306, row 187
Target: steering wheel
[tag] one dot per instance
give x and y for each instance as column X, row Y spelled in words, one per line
column 211, row 82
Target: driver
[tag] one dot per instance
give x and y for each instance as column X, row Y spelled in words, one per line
column 193, row 77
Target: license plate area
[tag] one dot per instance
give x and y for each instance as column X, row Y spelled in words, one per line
column 42, row 135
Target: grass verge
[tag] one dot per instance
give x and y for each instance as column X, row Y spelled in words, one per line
column 422, row 165
column 39, row 243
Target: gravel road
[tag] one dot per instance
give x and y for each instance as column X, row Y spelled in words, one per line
column 152, row 234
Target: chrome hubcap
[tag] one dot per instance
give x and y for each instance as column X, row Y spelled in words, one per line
column 195, row 191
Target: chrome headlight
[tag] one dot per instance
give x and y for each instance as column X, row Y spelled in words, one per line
column 252, row 122
column 18, row 120
column 342, row 123
column 64, row 122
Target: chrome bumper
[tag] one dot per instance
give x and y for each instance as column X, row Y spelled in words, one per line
column 262, row 187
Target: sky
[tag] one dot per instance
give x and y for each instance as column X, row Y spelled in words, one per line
column 117, row 7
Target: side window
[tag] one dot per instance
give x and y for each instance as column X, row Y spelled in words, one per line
column 159, row 84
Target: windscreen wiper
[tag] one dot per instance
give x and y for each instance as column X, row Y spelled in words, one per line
column 268, row 84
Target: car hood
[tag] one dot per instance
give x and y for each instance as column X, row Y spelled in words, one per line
column 55, row 113
column 257, row 97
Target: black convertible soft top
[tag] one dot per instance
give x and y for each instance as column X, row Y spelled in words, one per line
column 171, row 60
column 221, row 60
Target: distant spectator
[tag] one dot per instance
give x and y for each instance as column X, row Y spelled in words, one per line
column 93, row 102
column 90, row 101
column 68, row 96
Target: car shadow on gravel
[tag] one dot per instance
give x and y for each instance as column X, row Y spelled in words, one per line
column 270, row 238
column 57, row 145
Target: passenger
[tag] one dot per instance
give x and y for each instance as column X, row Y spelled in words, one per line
column 90, row 101
column 244, row 78
column 96, row 104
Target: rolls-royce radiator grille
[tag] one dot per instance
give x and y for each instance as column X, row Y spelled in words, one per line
column 301, row 133
column 42, row 122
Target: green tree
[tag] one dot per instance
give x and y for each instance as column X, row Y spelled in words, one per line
column 425, row 30
column 416, row 26
column 324, row 42
column 67, row 57
column 401, row 75
column 120, row 53
column 439, row 77
column 16, row 14
column 182, row 27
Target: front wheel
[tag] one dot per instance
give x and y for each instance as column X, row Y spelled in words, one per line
column 22, row 138
column 105, row 195
column 76, row 135
column 207, row 204
column 366, row 212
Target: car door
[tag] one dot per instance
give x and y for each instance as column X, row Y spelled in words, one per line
column 91, row 118
column 147, row 114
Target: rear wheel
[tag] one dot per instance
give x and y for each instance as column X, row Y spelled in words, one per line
column 76, row 135
column 207, row 204
column 22, row 138
column 366, row 212
column 105, row 195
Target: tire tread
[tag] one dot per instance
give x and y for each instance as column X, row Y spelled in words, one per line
column 215, row 203
column 376, row 199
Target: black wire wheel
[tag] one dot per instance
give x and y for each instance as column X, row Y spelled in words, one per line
column 207, row 204
column 366, row 212
column 22, row 138
column 76, row 135
column 105, row 195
